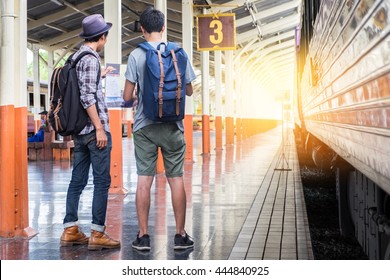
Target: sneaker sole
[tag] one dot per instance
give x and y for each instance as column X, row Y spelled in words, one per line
column 143, row 248
column 182, row 247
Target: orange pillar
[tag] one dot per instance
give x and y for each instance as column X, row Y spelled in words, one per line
column 115, row 116
column 21, row 179
column 238, row 129
column 160, row 202
column 206, row 134
column 129, row 129
column 218, row 99
column 229, row 131
column 13, row 121
column 205, row 63
column 160, row 162
column 37, row 125
column 229, row 97
column 218, row 132
column 7, row 171
column 13, row 185
column 188, row 132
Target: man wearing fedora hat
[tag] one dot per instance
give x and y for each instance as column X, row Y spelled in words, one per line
column 92, row 144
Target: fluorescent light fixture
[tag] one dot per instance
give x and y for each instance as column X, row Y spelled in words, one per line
column 57, row 2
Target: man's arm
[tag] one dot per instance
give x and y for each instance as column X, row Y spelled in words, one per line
column 101, row 137
column 89, row 85
column 189, row 89
column 128, row 90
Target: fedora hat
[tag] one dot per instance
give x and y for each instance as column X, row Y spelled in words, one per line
column 94, row 25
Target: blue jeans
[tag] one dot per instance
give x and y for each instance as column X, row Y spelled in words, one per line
column 85, row 154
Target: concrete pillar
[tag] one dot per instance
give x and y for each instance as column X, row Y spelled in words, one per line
column 13, row 121
column 229, row 99
column 50, row 69
column 36, row 84
column 238, row 99
column 113, row 47
column 205, row 62
column 205, row 56
column 7, row 120
column 218, row 99
column 21, row 172
column 113, row 54
column 187, row 27
column 161, row 5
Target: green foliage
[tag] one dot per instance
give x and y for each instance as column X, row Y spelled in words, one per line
column 42, row 66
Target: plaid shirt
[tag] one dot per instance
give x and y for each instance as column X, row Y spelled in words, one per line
column 87, row 72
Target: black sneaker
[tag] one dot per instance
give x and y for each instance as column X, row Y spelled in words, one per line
column 183, row 242
column 142, row 243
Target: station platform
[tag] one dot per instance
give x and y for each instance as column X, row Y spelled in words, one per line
column 243, row 202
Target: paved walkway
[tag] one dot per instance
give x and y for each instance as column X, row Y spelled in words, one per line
column 238, row 207
column 276, row 227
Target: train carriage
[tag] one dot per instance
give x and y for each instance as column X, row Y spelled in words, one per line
column 343, row 111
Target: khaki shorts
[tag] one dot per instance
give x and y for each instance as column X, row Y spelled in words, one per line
column 171, row 140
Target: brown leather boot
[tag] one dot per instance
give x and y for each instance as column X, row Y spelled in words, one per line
column 73, row 236
column 100, row 240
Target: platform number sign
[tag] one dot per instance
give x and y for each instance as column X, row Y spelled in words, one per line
column 216, row 32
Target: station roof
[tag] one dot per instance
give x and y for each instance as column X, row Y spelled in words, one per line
column 265, row 28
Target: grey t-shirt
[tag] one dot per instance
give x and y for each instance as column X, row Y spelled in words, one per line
column 135, row 74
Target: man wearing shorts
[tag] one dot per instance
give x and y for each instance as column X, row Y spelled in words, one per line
column 150, row 135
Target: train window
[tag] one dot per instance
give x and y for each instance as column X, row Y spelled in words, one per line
column 43, row 101
column 31, row 99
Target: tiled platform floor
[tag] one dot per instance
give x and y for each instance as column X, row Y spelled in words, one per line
column 226, row 191
column 276, row 227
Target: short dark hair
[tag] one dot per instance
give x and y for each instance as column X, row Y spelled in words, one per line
column 96, row 38
column 152, row 20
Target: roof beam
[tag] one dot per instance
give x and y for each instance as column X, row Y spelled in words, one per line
column 273, row 27
column 62, row 38
column 264, row 52
column 66, row 3
column 279, row 37
column 257, row 47
column 270, row 12
column 227, row 8
column 64, row 13
column 171, row 5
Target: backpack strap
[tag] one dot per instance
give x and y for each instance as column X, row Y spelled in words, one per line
column 74, row 63
column 54, row 81
column 168, row 47
column 80, row 56
column 171, row 46
column 161, row 85
column 179, row 85
column 145, row 46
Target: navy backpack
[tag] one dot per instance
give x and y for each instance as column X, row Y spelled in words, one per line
column 67, row 116
column 164, row 91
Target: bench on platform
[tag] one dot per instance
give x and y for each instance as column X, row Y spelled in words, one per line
column 62, row 150
column 40, row 150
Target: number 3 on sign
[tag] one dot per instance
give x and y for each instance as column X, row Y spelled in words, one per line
column 219, row 32
column 217, row 38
